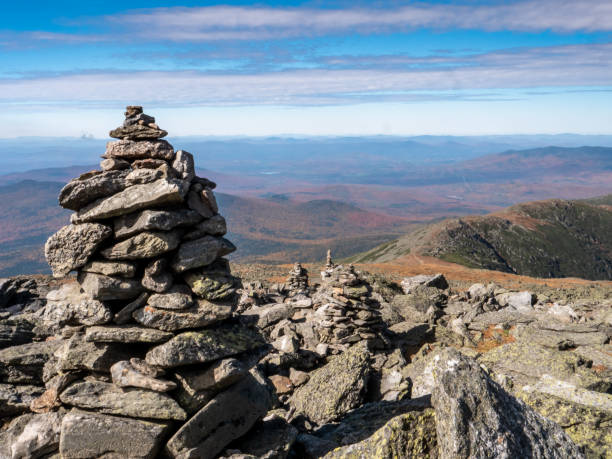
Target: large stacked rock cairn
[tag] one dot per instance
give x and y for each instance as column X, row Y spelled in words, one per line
column 145, row 355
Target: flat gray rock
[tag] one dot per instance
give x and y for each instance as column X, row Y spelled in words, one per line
column 104, row 288
column 228, row 416
column 201, row 252
column 213, row 226
column 267, row 315
column 24, row 363
column 16, row 399
column 85, row 434
column 78, row 354
column 111, row 268
column 154, row 220
column 70, row 305
column 475, row 417
column 176, row 298
column 73, row 245
column 110, row 399
column 137, row 132
column 129, row 149
column 124, row 374
column 126, row 334
column 214, row 282
column 137, row 197
column 184, row 165
column 81, row 191
column 202, row 315
column 203, row 346
column 143, row 245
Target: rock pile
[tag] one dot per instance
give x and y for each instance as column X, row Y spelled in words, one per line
column 144, row 353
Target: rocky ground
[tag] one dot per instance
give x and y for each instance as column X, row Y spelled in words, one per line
column 155, row 348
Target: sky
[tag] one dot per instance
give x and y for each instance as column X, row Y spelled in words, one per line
column 472, row 67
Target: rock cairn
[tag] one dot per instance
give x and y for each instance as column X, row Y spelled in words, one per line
column 147, row 339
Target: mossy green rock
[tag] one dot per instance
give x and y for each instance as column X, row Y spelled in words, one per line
column 204, row 346
column 407, row 435
column 587, row 426
column 336, row 388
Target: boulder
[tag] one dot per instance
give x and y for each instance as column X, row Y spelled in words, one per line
column 81, row 191
column 204, row 346
column 16, row 399
column 184, row 165
column 143, row 245
column 78, row 354
column 105, row 288
column 559, row 336
column 154, row 220
column 125, row 375
column 137, row 197
column 265, row 316
column 200, row 252
column 24, row 363
column 475, row 417
column 39, row 437
column 410, row 283
column 225, row 418
column 111, row 268
column 73, row 245
column 110, row 399
column 519, row 301
column 201, row 315
column 129, row 149
column 126, row 334
column 407, row 435
column 85, row 434
column 70, row 305
column 334, row 389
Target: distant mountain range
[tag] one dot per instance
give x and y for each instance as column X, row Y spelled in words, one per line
column 553, row 238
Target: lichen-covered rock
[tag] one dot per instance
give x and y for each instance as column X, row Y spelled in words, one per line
column 78, row 354
column 111, row 268
column 201, row 315
column 156, row 278
column 24, row 364
column 85, row 434
column 129, row 149
column 407, row 435
column 336, row 388
column 110, row 399
column 176, row 299
column 214, row 282
column 73, row 245
column 137, row 197
column 143, row 245
column 227, row 417
column 203, row 346
column 137, row 132
column 85, row 189
column 200, row 252
column 475, row 417
column 70, row 305
column 126, row 334
column 411, row 283
column 106, row 288
column 154, row 220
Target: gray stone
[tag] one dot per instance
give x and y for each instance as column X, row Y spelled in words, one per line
column 73, row 245
column 267, row 315
column 126, row 334
column 201, row 252
column 17, row 399
column 214, row 282
column 336, row 388
column 143, row 245
column 184, row 165
column 228, row 416
column 213, row 226
column 15, row 334
column 125, row 314
column 24, row 363
column 204, row 346
column 137, row 197
column 87, row 435
column 475, row 417
column 519, row 301
column 137, row 132
column 557, row 337
column 268, row 439
column 129, row 149
column 110, row 399
column 151, row 220
column 112, row 164
column 78, row 354
column 125, row 375
column 201, row 315
column 111, row 268
column 196, row 201
column 437, row 280
column 104, row 288
column 179, row 297
column 69, row 305
column 156, row 278
column 81, row 191
column 40, row 436
column 142, row 176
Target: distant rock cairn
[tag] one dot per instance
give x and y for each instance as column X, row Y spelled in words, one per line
column 154, row 299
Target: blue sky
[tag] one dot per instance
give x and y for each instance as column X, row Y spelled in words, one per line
column 311, row 68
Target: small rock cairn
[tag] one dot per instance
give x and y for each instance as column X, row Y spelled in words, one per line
column 145, row 330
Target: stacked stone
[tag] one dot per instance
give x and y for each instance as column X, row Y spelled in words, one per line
column 146, row 331
column 297, row 281
column 345, row 312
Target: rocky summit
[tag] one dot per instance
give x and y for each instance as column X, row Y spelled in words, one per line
column 154, row 348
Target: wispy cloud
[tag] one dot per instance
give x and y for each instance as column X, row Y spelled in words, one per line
column 563, row 66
